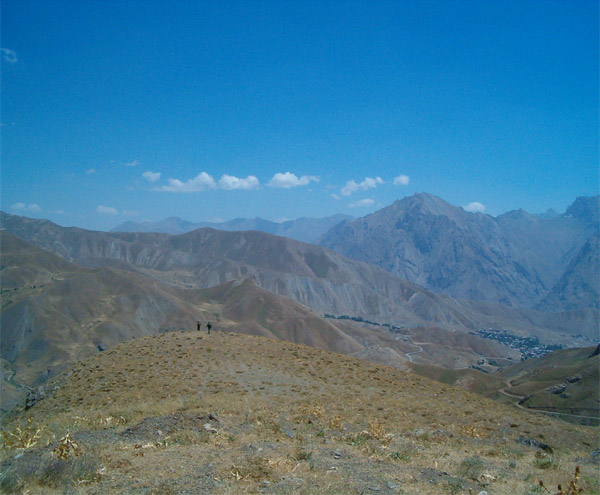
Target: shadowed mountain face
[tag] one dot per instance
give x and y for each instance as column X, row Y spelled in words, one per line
column 578, row 286
column 302, row 229
column 514, row 259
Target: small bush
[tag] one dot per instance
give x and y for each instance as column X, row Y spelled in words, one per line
column 545, row 461
column 251, row 468
column 49, row 471
column 302, row 454
column 56, row 473
column 11, row 482
column 23, row 437
column 400, row 456
column 471, row 467
column 190, row 437
column 455, row 485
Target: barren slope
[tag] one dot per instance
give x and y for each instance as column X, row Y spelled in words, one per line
column 189, row 413
column 55, row 312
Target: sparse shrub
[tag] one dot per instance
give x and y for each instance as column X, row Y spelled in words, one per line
column 83, row 469
column 22, row 438
column 545, row 461
column 512, row 464
column 472, row 431
column 400, row 456
column 471, row 467
column 336, row 422
column 190, row 437
column 302, row 454
column 67, row 447
column 50, row 471
column 11, row 482
column 311, row 412
column 164, row 488
column 356, row 439
column 251, row 468
column 455, row 485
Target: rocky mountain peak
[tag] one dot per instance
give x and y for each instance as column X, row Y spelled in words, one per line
column 586, row 209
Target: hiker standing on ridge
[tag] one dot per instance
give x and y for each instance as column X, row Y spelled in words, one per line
column 208, row 326
column 198, row 325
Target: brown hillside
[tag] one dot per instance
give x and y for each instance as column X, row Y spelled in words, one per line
column 564, row 381
column 230, row 413
column 311, row 275
column 55, row 312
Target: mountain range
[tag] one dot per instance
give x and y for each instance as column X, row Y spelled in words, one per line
column 311, row 275
column 301, row 229
column 70, row 292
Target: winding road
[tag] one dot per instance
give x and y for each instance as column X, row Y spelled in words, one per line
column 409, row 354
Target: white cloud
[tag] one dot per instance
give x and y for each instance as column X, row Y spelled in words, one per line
column 361, row 202
column 90, row 171
column 335, row 196
column 9, row 55
column 201, row 182
column 134, row 163
column 32, row 208
column 151, row 176
column 287, row 180
column 402, row 180
column 475, row 207
column 353, row 186
column 229, row 182
column 107, row 210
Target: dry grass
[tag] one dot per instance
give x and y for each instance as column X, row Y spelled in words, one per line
column 286, row 419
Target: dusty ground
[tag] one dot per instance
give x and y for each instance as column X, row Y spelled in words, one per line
column 229, row 414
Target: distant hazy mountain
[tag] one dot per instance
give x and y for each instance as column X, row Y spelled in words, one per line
column 513, row 259
column 302, row 229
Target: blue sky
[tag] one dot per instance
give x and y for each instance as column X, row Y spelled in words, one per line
column 140, row 110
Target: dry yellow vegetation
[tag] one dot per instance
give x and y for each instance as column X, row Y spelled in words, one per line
column 189, row 413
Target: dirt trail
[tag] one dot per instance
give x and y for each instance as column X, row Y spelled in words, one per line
column 409, row 354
